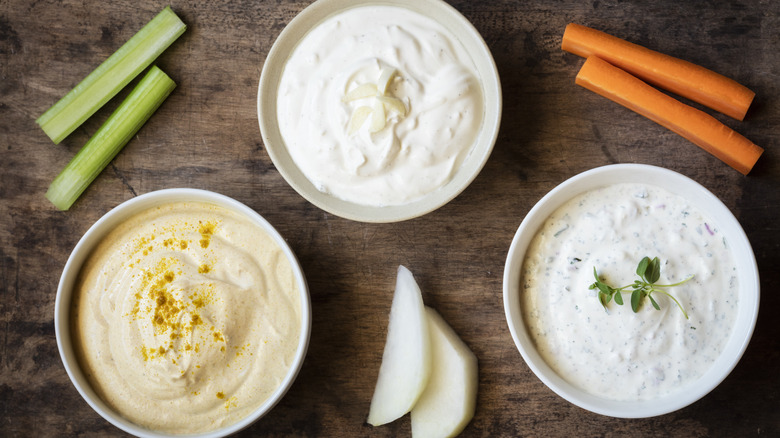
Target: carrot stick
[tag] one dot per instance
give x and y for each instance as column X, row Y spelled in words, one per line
column 697, row 126
column 680, row 77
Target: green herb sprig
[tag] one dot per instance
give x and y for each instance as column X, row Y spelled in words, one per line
column 649, row 272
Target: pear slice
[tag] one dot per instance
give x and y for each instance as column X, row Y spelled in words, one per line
column 360, row 92
column 449, row 400
column 406, row 361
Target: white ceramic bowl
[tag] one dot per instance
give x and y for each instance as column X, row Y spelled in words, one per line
column 315, row 13
column 97, row 232
column 702, row 199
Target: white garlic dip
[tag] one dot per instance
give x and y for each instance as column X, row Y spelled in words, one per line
column 186, row 318
column 416, row 147
column 615, row 353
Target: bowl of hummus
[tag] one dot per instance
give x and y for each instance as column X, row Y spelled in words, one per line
column 182, row 312
column 379, row 111
column 631, row 290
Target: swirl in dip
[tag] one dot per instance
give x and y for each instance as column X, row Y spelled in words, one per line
column 186, row 317
column 398, row 143
column 617, row 354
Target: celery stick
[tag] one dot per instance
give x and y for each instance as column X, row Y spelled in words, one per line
column 111, row 76
column 120, row 127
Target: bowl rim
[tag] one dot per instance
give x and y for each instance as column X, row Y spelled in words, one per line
column 94, row 235
column 273, row 67
column 707, row 202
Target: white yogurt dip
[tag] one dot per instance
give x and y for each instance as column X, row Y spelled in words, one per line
column 186, row 318
column 618, row 354
column 417, row 150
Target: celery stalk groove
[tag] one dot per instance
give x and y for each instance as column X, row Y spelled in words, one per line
column 111, row 76
column 112, row 136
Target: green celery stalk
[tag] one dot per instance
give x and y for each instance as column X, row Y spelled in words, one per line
column 120, row 127
column 111, row 76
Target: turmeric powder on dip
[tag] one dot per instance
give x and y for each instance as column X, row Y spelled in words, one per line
column 186, row 318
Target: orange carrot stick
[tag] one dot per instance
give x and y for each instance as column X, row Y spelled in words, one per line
column 697, row 126
column 680, row 77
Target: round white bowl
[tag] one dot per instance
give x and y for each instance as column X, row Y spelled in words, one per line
column 92, row 238
column 702, row 199
column 284, row 45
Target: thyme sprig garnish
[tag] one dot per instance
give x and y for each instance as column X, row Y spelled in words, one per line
column 649, row 271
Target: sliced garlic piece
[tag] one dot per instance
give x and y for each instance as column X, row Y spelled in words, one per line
column 393, row 103
column 385, row 77
column 360, row 92
column 359, row 117
column 378, row 117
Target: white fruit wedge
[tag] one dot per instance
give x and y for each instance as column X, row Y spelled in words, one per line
column 448, row 402
column 406, row 361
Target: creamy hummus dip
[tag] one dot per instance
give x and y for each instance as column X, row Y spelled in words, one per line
column 186, row 318
column 616, row 353
column 379, row 105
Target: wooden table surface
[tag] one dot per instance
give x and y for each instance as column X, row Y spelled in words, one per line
column 206, row 136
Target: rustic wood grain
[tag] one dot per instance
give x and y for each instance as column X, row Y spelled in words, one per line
column 206, row 136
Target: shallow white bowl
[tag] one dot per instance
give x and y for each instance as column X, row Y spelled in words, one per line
column 702, row 199
column 96, row 233
column 315, row 13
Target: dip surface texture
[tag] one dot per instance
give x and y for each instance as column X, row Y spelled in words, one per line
column 420, row 145
column 618, row 354
column 186, row 317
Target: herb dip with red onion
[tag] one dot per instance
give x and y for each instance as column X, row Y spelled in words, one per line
column 615, row 353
